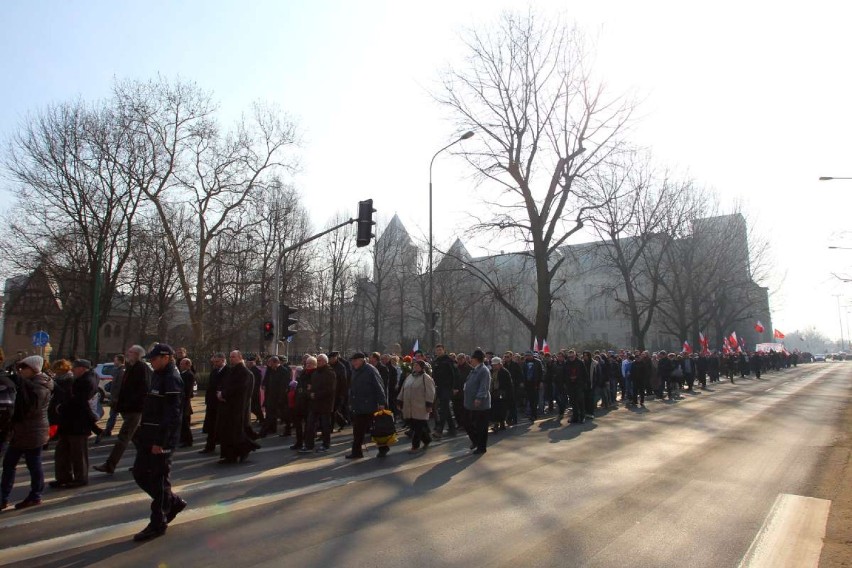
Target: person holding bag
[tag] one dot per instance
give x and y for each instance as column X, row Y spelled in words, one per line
column 415, row 399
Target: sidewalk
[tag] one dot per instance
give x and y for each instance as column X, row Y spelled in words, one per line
column 835, row 483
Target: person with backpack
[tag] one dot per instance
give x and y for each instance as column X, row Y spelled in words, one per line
column 29, row 431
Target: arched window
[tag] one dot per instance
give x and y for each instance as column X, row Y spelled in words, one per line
column 107, row 330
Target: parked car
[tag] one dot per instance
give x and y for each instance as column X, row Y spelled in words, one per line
column 104, row 373
column 819, row 357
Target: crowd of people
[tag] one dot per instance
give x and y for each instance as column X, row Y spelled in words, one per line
column 381, row 395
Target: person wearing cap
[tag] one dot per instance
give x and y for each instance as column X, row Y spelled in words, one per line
column 30, row 431
column 129, row 404
column 156, row 440
column 477, row 402
column 366, row 396
column 71, row 458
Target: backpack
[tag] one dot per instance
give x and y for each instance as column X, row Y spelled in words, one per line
column 8, row 396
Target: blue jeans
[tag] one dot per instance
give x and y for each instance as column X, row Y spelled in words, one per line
column 10, row 462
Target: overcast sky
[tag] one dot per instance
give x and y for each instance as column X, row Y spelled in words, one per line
column 752, row 99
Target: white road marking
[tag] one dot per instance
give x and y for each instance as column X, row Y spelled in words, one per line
column 126, row 530
column 792, row 534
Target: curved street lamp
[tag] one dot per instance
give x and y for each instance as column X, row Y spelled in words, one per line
column 828, row 178
column 430, row 315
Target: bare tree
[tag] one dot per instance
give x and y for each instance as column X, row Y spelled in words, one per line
column 191, row 164
column 643, row 213
column 543, row 124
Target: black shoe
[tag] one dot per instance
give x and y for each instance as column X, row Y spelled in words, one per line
column 473, row 446
column 149, row 532
column 27, row 503
column 306, row 451
column 103, row 468
column 383, row 451
column 57, row 484
column 177, row 507
column 479, row 451
column 296, row 447
column 228, row 460
column 72, row 484
column 354, row 456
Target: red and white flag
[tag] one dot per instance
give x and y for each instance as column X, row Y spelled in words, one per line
column 778, row 335
column 545, row 348
column 733, row 340
column 686, row 348
column 535, row 345
column 758, row 327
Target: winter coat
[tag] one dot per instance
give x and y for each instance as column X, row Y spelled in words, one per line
column 446, row 376
column 416, row 395
column 323, row 389
column 366, row 393
column 302, row 401
column 134, row 388
column 277, row 381
column 478, row 387
column 211, row 402
column 33, row 430
column 233, row 415
column 161, row 410
column 75, row 415
column 188, row 378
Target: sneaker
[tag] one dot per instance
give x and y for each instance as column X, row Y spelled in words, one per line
column 27, row 503
column 177, row 507
column 149, row 532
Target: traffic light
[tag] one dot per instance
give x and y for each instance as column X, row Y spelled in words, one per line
column 287, row 321
column 268, row 330
column 365, row 223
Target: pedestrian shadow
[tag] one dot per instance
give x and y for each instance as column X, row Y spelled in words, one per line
column 638, row 409
column 442, row 472
column 550, row 423
column 569, row 432
column 88, row 557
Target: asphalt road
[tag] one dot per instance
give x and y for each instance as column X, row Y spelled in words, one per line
column 688, row 483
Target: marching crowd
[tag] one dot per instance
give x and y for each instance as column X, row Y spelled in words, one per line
column 382, row 395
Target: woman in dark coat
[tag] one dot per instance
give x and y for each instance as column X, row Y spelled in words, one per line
column 30, row 431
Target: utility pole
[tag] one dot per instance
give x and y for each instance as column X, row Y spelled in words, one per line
column 840, row 319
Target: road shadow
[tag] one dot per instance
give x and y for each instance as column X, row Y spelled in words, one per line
column 87, row 557
column 571, row 431
column 638, row 409
column 442, row 472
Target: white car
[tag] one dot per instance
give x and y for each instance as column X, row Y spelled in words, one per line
column 819, row 357
column 104, row 373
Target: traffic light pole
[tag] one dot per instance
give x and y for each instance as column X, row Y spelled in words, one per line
column 276, row 314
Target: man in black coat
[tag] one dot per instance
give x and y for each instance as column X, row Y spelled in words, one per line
column 131, row 399
column 276, row 383
column 211, row 402
column 156, row 439
column 532, row 373
column 251, row 364
column 384, row 372
column 76, row 419
column 188, row 378
column 232, row 421
column 446, row 377
column 576, row 377
column 341, row 395
column 366, row 396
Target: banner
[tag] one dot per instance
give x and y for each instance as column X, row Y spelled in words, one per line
column 767, row 347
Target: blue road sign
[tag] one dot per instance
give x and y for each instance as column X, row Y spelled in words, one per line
column 40, row 339
column 290, row 339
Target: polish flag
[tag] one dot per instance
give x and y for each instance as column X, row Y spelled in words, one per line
column 733, row 339
column 545, row 348
column 415, row 347
column 758, row 327
column 535, row 345
column 686, row 348
column 778, row 335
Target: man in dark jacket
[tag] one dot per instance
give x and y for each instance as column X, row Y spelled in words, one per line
column 341, row 388
column 251, row 365
column 188, row 378
column 275, row 386
column 156, row 439
column 576, row 377
column 234, row 396
column 321, row 405
column 384, row 372
column 532, row 373
column 211, row 402
column 131, row 399
column 366, row 396
column 446, row 377
column 71, row 459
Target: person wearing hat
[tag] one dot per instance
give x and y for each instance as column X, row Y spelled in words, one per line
column 156, row 439
column 71, row 458
column 366, row 396
column 30, row 431
column 477, row 402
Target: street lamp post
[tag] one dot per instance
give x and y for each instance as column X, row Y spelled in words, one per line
column 430, row 315
column 829, row 178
